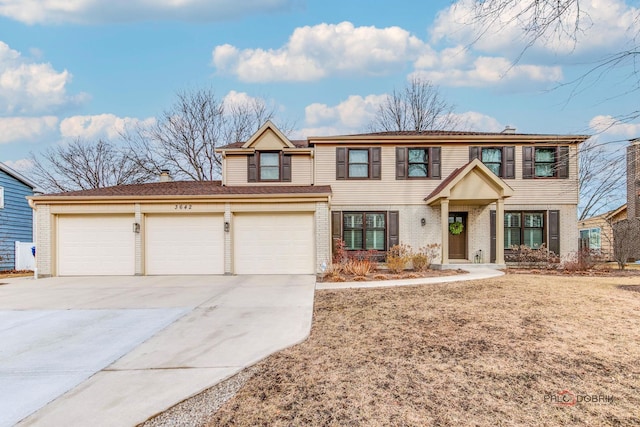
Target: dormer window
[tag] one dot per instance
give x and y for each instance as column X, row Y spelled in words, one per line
column 269, row 166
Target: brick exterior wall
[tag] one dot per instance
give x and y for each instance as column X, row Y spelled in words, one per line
column 323, row 235
column 43, row 241
column 633, row 176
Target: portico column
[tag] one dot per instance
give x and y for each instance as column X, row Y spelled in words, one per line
column 444, row 224
column 500, row 231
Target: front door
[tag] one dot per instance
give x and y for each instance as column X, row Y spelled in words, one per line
column 457, row 235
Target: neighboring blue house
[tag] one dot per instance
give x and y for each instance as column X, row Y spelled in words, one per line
column 16, row 217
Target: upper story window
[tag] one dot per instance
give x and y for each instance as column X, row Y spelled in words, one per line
column 358, row 163
column 269, row 167
column 545, row 162
column 417, row 162
column 500, row 160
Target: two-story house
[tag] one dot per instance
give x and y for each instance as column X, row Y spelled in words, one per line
column 281, row 204
column 16, row 217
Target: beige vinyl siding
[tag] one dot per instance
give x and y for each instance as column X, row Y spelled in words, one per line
column 236, row 171
column 390, row 190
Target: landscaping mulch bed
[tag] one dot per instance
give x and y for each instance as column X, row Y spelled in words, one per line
column 386, row 275
column 15, row 273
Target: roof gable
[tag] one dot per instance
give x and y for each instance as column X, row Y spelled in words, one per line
column 6, row 169
column 268, row 137
column 472, row 182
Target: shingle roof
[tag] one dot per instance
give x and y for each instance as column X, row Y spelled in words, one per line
column 192, row 188
column 299, row 143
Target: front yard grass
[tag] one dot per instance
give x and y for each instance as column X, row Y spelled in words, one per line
column 486, row 353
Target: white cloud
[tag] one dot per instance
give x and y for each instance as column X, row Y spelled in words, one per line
column 106, row 126
column 606, row 25
column 31, row 87
column 478, row 122
column 20, row 165
column 352, row 114
column 322, row 50
column 90, row 11
column 25, row 128
column 611, row 126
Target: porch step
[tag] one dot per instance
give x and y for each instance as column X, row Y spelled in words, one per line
column 467, row 266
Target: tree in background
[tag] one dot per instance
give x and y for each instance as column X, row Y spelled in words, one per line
column 184, row 138
column 418, row 107
column 626, row 244
column 82, row 165
column 601, row 179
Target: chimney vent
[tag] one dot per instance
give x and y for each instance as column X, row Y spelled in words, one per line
column 508, row 129
column 165, row 176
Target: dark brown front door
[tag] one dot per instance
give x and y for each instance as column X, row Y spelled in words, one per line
column 458, row 242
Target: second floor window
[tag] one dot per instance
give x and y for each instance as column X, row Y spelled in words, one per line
column 545, row 162
column 417, row 162
column 500, row 160
column 269, row 166
column 358, row 163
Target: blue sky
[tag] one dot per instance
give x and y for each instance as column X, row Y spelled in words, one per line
column 90, row 68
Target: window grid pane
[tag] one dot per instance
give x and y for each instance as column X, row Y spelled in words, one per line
column 358, row 163
column 364, row 231
column 418, row 162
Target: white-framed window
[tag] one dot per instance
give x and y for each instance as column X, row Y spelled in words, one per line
column 592, row 236
column 1, row 197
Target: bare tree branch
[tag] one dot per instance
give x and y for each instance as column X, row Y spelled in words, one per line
column 184, row 138
column 82, row 165
column 419, row 106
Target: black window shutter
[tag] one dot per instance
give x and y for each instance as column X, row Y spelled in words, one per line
column 474, row 153
column 509, row 162
column 554, row 232
column 563, row 162
column 393, row 228
column 252, row 168
column 434, row 162
column 527, row 162
column 492, row 233
column 341, row 163
column 286, row 167
column 375, row 159
column 401, row 163
column 336, row 229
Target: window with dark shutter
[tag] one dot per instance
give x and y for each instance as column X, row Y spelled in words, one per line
column 401, row 163
column 376, row 162
column 527, row 162
column 545, row 162
column 252, row 168
column 394, row 228
column 286, row 168
column 336, row 229
column 434, row 162
column 554, row 231
column 341, row 163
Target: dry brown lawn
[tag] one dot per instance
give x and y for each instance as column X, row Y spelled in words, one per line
column 486, row 353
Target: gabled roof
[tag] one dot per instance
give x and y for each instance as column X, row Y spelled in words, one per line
column 463, row 175
column 186, row 189
column 266, row 127
column 6, row 169
column 607, row 215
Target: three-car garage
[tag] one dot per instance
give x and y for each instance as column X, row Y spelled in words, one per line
column 80, row 236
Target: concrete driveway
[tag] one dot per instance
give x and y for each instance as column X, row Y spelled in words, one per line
column 115, row 351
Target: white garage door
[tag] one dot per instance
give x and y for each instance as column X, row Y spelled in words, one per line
column 274, row 243
column 96, row 245
column 184, row 244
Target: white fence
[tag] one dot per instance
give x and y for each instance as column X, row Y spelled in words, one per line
column 25, row 260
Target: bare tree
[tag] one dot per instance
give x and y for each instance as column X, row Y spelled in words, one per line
column 419, row 106
column 601, row 180
column 184, row 138
column 626, row 244
column 82, row 165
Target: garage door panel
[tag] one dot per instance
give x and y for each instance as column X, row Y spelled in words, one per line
column 184, row 244
column 95, row 245
column 274, row 243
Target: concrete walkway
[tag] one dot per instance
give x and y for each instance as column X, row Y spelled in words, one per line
column 114, row 351
column 475, row 273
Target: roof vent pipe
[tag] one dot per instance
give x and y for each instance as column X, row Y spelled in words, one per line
column 165, row 175
column 508, row 129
